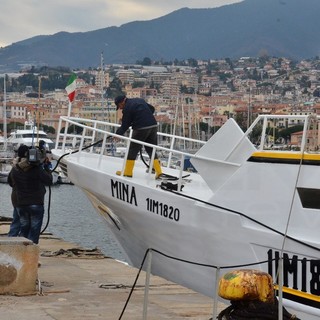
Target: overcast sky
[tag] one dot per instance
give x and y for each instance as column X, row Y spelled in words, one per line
column 23, row 19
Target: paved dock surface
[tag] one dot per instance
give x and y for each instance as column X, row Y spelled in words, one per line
column 82, row 284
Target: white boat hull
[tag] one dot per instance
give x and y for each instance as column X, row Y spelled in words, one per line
column 4, row 177
column 197, row 235
column 5, row 168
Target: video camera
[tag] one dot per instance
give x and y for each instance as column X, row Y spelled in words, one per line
column 35, row 156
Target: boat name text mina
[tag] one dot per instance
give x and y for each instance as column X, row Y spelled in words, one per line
column 123, row 192
column 127, row 194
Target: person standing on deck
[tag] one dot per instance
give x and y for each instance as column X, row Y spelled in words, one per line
column 29, row 181
column 138, row 114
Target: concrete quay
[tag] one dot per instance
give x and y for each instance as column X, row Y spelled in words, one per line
column 76, row 283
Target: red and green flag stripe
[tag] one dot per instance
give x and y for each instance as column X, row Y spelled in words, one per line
column 71, row 87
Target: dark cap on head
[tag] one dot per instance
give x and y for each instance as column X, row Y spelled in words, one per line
column 23, row 151
column 119, row 99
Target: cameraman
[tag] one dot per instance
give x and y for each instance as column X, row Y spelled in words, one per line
column 29, row 180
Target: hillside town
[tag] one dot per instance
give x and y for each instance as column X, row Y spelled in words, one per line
column 195, row 97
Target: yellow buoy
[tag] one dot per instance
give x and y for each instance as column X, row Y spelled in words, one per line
column 247, row 285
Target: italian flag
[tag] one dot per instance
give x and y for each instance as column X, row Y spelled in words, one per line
column 71, row 87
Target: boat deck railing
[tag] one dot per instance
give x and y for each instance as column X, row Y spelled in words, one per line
column 307, row 140
column 87, row 131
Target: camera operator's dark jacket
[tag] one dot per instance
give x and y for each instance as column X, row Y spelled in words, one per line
column 138, row 114
column 29, row 182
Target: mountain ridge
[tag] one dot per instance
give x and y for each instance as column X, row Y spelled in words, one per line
column 276, row 27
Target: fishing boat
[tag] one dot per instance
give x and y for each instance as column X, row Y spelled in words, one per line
column 246, row 205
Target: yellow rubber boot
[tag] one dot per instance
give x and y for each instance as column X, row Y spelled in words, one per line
column 128, row 169
column 157, row 168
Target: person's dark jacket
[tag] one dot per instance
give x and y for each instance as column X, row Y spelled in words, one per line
column 138, row 114
column 29, row 182
column 14, row 192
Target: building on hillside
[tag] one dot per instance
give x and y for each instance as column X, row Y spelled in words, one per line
column 159, row 77
column 212, row 117
column 313, row 139
column 87, row 92
column 16, row 112
column 204, row 90
column 143, row 92
column 187, row 80
column 306, row 110
column 102, row 80
column 170, row 88
column 126, row 76
column 97, row 110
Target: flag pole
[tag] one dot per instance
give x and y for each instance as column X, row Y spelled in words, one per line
column 69, row 109
column 71, row 91
column 67, row 125
column 66, row 128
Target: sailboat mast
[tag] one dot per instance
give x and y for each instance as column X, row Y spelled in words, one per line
column 38, row 111
column 5, row 112
column 183, row 124
column 102, row 83
column 175, row 118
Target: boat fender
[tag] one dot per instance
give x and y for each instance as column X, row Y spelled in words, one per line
column 247, row 285
column 251, row 296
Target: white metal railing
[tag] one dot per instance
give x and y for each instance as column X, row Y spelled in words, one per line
column 83, row 137
column 94, row 130
column 267, row 120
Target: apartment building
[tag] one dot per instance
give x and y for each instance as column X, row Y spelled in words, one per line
column 170, row 88
column 126, row 76
column 158, row 78
column 143, row 92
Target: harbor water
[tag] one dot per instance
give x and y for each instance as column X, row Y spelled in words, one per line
column 72, row 218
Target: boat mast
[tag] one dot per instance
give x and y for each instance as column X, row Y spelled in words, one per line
column 38, row 114
column 249, row 107
column 183, row 123
column 175, row 118
column 102, row 83
column 5, row 112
